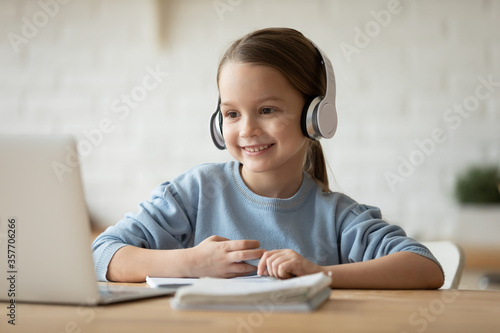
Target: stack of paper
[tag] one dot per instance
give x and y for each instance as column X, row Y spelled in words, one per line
column 303, row 293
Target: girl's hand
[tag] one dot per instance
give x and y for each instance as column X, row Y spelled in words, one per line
column 220, row 257
column 285, row 263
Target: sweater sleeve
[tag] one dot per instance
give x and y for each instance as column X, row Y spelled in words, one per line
column 363, row 235
column 164, row 222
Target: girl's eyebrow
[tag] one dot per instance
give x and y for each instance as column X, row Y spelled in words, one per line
column 270, row 98
column 260, row 100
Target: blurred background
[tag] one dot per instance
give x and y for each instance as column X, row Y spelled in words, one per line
column 418, row 97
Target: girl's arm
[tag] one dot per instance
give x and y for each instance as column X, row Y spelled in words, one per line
column 401, row 270
column 215, row 256
column 133, row 264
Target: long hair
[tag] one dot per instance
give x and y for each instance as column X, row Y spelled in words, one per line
column 291, row 53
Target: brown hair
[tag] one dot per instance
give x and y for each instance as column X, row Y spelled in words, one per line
column 290, row 52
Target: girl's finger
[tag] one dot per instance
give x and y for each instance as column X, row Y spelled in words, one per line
column 242, row 244
column 274, row 262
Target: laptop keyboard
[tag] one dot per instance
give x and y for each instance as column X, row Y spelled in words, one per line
column 115, row 291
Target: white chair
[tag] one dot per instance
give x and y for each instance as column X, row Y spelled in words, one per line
column 452, row 259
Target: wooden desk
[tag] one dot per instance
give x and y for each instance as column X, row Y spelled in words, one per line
column 346, row 311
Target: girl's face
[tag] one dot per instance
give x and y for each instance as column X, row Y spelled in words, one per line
column 261, row 119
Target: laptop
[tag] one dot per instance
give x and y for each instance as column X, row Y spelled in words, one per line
column 45, row 238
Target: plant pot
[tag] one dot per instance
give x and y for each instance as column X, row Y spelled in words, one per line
column 478, row 225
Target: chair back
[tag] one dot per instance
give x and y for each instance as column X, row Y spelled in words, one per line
column 452, row 258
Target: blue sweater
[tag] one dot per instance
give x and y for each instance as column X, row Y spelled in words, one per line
column 212, row 199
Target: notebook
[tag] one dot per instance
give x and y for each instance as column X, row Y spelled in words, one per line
column 45, row 239
column 162, row 282
column 298, row 294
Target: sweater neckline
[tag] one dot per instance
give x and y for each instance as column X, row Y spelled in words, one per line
column 294, row 201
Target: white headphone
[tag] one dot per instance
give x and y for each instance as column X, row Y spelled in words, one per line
column 319, row 116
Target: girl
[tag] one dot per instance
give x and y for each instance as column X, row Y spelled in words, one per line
column 273, row 203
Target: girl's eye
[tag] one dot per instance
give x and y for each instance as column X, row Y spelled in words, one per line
column 232, row 114
column 267, row 110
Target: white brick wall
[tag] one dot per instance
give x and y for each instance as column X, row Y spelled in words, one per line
column 394, row 91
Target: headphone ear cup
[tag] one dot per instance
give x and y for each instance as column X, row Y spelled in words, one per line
column 303, row 117
column 308, row 121
column 216, row 129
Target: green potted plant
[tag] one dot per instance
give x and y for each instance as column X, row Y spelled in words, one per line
column 478, row 185
column 477, row 190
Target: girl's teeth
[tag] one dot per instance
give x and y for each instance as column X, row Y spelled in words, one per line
column 253, row 150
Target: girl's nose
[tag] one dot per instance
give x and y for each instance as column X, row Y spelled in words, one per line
column 249, row 127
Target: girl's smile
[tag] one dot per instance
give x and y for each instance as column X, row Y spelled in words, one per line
column 257, row 148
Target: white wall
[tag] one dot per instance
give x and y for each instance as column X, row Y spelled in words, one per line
column 66, row 67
